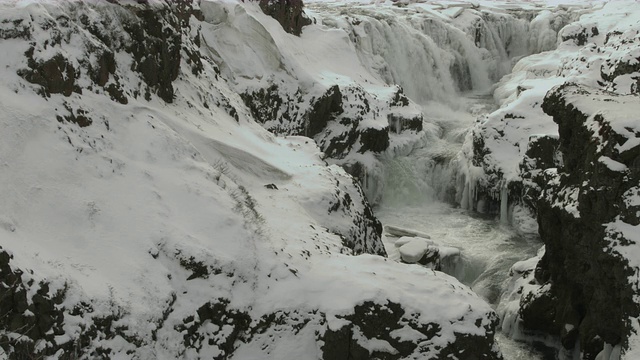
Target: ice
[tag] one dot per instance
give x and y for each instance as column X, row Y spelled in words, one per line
column 612, row 164
column 414, row 249
column 403, row 232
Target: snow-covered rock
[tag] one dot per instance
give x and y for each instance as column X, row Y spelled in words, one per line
column 509, row 148
column 146, row 213
column 583, row 289
column 564, row 146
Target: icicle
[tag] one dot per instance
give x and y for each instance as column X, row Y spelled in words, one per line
column 504, row 204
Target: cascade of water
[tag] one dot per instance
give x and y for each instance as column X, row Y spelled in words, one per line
column 434, row 58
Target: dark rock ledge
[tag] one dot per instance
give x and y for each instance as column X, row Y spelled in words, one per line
column 591, row 284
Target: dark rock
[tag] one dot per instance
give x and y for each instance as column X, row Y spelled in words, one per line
column 374, row 140
column 581, row 37
column 324, row 109
column 289, row 13
column 56, row 75
column 375, row 321
column 356, row 169
column 32, row 312
column 78, row 117
column 14, row 29
column 589, row 284
column 364, row 236
column 542, row 154
column 267, row 105
column 155, row 46
column 271, row 186
column 399, row 98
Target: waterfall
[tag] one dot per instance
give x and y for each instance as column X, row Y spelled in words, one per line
column 435, row 58
column 441, row 63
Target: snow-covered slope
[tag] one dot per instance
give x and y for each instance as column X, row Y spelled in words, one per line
column 145, row 213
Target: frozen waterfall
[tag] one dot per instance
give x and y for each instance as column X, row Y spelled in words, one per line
column 449, row 65
column 435, row 57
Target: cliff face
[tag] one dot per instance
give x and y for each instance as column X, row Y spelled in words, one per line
column 588, row 218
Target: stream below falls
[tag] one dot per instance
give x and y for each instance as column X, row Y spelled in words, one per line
column 416, row 185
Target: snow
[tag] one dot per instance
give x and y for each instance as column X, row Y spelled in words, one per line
column 112, row 210
column 115, row 210
column 507, row 132
column 413, row 250
column 612, row 164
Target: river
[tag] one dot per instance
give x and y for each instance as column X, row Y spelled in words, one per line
column 418, row 196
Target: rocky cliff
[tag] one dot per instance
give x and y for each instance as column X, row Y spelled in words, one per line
column 588, row 217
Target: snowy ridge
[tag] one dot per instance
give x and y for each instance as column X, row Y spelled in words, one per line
column 146, row 214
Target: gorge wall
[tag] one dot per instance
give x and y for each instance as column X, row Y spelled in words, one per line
column 563, row 148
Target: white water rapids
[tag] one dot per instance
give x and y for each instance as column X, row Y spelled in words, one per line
column 415, row 185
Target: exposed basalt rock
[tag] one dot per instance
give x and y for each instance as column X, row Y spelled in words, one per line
column 486, row 189
column 289, row 14
column 155, row 35
column 379, row 321
column 364, row 235
column 156, row 48
column 324, row 109
column 589, row 297
column 332, row 118
column 374, row 140
column 78, row 117
column 55, row 76
column 615, row 68
column 232, row 325
column 580, row 36
column 399, row 123
column 30, row 312
column 266, row 105
column 542, row 154
column 32, row 324
column 14, row 29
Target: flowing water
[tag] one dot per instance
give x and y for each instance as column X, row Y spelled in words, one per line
column 416, row 187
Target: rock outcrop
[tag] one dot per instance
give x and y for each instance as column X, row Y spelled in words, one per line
column 289, row 14
column 588, row 219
